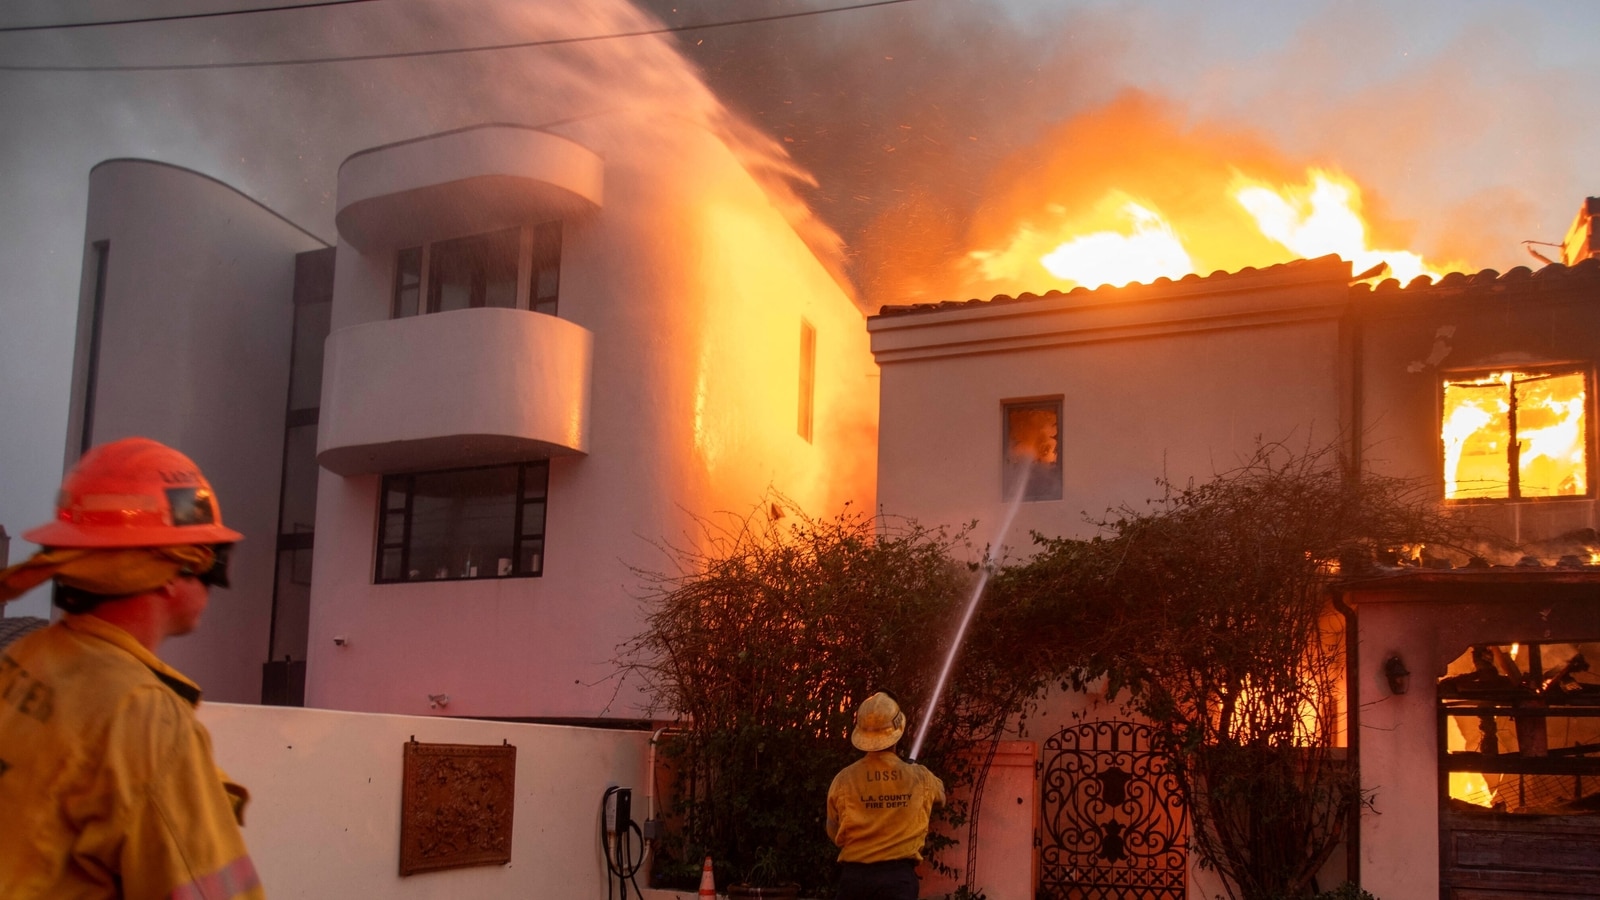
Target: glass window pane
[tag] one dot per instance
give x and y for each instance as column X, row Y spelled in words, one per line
column 533, row 519
column 1476, row 433
column 532, row 560
column 545, row 284
column 408, row 282
column 462, row 521
column 1552, row 436
column 311, row 325
column 389, row 566
column 394, row 493
column 474, row 271
column 298, row 510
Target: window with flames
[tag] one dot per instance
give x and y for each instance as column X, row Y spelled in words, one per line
column 1031, row 447
column 1516, row 435
column 1521, row 726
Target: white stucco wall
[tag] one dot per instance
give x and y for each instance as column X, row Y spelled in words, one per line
column 194, row 352
column 324, row 815
column 693, row 287
column 1181, row 381
column 1399, row 753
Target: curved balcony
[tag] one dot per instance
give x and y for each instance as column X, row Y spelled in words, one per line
column 462, row 388
column 472, row 180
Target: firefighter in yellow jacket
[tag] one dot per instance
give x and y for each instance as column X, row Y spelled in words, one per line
column 878, row 809
column 107, row 784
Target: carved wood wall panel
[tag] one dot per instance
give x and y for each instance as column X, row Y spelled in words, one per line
column 456, row 806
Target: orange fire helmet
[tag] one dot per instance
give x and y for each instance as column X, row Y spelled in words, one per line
column 134, row 493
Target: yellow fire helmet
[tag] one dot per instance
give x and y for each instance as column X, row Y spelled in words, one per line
column 879, row 723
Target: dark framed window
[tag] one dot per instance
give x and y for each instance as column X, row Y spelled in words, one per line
column 473, row 272
column 481, row 270
column 1031, row 449
column 1516, row 435
column 484, row 522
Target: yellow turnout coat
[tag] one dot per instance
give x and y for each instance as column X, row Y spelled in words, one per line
column 107, row 784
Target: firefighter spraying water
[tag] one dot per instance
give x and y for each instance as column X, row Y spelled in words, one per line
column 878, row 809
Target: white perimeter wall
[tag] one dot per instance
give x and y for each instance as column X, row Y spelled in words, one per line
column 324, row 814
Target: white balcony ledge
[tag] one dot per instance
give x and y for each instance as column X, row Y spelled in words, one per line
column 459, row 182
column 446, row 390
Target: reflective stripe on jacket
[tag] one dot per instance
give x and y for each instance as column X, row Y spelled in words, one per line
column 107, row 784
column 878, row 808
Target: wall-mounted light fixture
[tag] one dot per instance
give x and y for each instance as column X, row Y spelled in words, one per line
column 1396, row 673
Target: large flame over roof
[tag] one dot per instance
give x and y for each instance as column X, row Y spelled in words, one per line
column 1127, row 193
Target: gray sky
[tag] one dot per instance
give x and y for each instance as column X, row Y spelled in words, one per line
column 1471, row 123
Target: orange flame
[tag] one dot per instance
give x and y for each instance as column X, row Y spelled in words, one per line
column 1129, row 193
column 1323, row 216
column 1318, row 218
column 1145, row 248
column 1547, row 414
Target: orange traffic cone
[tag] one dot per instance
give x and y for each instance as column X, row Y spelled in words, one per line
column 708, row 885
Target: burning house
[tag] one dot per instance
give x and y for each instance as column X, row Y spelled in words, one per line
column 466, row 421
column 1469, row 706
column 531, row 349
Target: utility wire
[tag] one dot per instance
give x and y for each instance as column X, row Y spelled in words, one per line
column 177, row 18
column 409, row 54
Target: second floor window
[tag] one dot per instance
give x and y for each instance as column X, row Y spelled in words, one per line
column 1516, row 435
column 1031, row 443
column 514, row 268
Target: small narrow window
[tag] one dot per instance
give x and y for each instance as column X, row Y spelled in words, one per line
column 102, row 256
column 1516, row 435
column 544, row 287
column 408, row 283
column 808, row 377
column 486, row 522
column 473, row 272
column 1031, row 450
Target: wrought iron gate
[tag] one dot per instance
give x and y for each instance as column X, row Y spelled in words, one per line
column 1113, row 825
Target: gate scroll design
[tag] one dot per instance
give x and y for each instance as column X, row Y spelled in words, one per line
column 1114, row 824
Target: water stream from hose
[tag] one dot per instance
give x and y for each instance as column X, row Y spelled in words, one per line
column 990, row 561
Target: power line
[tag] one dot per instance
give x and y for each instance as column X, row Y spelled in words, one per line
column 61, row 26
column 409, row 54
